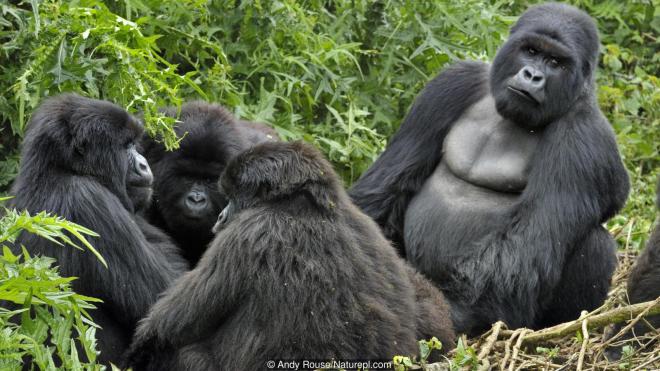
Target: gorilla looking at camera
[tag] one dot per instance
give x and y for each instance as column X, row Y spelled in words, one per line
column 186, row 201
column 498, row 180
column 296, row 271
column 79, row 162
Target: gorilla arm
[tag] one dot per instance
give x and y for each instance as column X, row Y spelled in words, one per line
column 577, row 181
column 385, row 189
column 136, row 273
column 198, row 302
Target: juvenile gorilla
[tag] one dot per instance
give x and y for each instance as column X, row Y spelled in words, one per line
column 295, row 272
column 78, row 160
column 186, row 201
column 498, row 180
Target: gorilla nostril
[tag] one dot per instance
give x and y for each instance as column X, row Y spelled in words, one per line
column 142, row 168
column 527, row 73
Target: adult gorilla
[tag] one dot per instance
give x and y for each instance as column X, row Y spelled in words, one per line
column 295, row 272
column 78, row 159
column 499, row 178
column 186, row 201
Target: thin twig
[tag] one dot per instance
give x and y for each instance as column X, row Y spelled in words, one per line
column 492, row 338
column 507, row 349
column 630, row 325
column 616, row 315
column 654, row 359
column 516, row 348
column 585, row 340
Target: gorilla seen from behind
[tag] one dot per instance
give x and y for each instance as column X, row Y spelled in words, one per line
column 295, row 271
column 499, row 178
column 79, row 161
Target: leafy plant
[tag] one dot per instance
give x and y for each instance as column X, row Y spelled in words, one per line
column 402, row 363
column 41, row 318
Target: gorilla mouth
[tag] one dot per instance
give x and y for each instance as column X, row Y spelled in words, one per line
column 139, row 184
column 524, row 94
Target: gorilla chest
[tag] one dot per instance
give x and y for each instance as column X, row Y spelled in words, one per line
column 484, row 168
column 488, row 151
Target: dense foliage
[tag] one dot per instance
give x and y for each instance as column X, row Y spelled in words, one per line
column 340, row 74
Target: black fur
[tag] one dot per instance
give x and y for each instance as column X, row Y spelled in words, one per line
column 295, row 272
column 210, row 139
column 644, row 280
column 76, row 159
column 549, row 258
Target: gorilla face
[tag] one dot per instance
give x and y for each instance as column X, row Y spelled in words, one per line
column 138, row 178
column 188, row 198
column 534, row 81
column 545, row 66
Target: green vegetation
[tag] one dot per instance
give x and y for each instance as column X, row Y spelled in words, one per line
column 340, row 74
column 55, row 327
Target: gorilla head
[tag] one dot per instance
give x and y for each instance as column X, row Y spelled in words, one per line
column 546, row 65
column 74, row 144
column 186, row 201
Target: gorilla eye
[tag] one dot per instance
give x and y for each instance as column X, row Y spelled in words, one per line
column 555, row 63
column 532, row 51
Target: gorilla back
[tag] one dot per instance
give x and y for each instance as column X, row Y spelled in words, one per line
column 497, row 182
column 295, row 272
column 78, row 159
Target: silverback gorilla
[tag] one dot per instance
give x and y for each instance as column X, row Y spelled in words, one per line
column 499, row 178
column 78, row 161
column 295, row 271
column 186, row 201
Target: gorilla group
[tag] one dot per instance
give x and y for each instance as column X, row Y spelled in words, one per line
column 186, row 201
column 498, row 181
column 309, row 256
column 495, row 188
column 79, row 161
column 295, row 272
